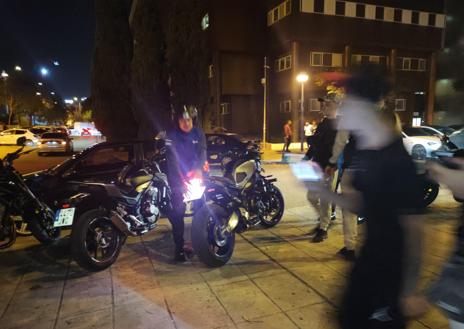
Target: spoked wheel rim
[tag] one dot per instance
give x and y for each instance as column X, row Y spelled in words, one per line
column 102, row 240
column 274, row 209
column 219, row 239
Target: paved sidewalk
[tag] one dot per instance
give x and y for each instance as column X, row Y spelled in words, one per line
column 276, row 279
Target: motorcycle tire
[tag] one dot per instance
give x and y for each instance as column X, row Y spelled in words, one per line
column 41, row 234
column 213, row 248
column 278, row 216
column 8, row 236
column 94, row 227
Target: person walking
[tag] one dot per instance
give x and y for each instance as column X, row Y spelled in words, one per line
column 287, row 135
column 309, row 130
column 384, row 278
column 320, row 152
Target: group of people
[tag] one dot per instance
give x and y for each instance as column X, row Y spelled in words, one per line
column 361, row 137
column 309, row 129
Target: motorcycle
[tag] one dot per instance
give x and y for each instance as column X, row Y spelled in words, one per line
column 241, row 199
column 18, row 201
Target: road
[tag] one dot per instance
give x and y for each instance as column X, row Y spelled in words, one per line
column 275, row 279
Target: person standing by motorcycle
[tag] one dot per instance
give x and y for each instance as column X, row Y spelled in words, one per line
column 320, row 152
column 186, row 156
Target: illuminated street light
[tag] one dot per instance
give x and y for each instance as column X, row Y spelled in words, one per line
column 40, row 83
column 52, row 93
column 38, row 94
column 302, row 78
column 4, row 75
column 56, row 63
column 18, row 68
column 75, row 99
column 68, row 101
column 44, row 71
column 83, row 99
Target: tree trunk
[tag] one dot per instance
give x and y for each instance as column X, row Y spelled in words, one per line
column 149, row 69
column 111, row 74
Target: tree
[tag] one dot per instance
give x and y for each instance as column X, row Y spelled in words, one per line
column 111, row 71
column 188, row 55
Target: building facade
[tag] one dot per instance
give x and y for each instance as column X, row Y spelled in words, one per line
column 315, row 36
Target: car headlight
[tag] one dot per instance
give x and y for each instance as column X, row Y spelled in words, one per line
column 39, row 143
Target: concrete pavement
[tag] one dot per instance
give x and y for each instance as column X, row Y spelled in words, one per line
column 276, row 278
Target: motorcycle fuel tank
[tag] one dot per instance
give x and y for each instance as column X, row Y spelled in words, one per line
column 243, row 173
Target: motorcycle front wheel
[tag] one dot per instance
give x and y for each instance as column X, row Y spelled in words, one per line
column 95, row 241
column 275, row 211
column 211, row 242
column 42, row 229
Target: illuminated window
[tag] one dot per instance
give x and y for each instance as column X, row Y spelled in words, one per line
column 411, row 64
column 279, row 12
column 225, row 108
column 400, row 105
column 205, row 22
column 210, row 71
column 326, row 59
column 286, row 106
column 283, row 63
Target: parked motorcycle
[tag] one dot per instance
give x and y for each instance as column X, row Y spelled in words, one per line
column 242, row 198
column 18, row 201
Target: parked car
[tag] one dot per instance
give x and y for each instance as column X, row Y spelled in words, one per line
column 420, row 143
column 54, row 142
column 39, row 130
column 219, row 144
column 442, row 129
column 457, row 126
column 17, row 136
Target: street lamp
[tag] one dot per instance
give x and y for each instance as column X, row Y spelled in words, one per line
column 302, row 78
column 18, row 68
column 44, row 71
column 4, row 75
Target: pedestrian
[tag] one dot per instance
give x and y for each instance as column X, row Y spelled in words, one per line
column 383, row 281
column 320, row 152
column 448, row 292
column 186, row 157
column 309, row 130
column 287, row 135
column 345, row 149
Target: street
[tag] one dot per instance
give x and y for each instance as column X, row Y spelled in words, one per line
column 276, row 278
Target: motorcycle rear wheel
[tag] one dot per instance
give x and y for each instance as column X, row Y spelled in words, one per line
column 95, row 241
column 278, row 204
column 213, row 247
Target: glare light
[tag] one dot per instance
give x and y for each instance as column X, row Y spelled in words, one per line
column 56, row 63
column 63, row 143
column 52, row 93
column 302, row 77
column 44, row 71
column 68, row 101
column 18, row 68
column 75, row 99
column 40, row 83
column 4, row 74
column 38, row 94
column 83, row 98
column 39, row 143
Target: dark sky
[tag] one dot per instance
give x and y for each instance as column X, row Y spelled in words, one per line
column 33, row 33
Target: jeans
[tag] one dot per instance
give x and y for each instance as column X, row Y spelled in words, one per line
column 350, row 220
column 176, row 217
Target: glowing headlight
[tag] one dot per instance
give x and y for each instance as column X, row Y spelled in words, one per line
column 194, row 190
column 63, row 143
column 39, row 143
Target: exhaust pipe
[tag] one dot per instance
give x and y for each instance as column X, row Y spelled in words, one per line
column 120, row 224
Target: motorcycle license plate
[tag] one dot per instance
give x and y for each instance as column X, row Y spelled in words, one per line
column 64, row 217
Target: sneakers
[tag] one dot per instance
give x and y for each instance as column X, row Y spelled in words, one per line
column 320, row 236
column 347, row 254
column 179, row 256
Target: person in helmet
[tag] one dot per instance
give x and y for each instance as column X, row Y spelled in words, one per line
column 186, row 158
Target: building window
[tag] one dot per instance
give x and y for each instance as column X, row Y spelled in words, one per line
column 432, row 19
column 286, row 106
column 279, row 12
column 379, row 12
column 358, row 59
column 400, row 105
column 398, row 15
column 411, row 64
column 326, row 59
column 283, row 63
column 360, row 10
column 319, row 6
column 224, row 108
column 314, row 105
column 340, row 8
column 205, row 22
column 415, row 17
column 210, row 71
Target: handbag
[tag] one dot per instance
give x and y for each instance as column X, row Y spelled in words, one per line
column 448, row 291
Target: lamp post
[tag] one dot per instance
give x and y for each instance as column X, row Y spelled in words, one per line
column 302, row 78
column 264, row 82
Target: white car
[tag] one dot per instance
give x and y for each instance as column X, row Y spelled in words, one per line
column 17, row 136
column 419, row 143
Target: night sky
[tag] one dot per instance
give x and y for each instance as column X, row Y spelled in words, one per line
column 33, row 33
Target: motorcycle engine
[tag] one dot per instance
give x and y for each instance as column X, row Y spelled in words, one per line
column 149, row 209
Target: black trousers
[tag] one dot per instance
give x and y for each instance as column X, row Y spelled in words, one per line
column 176, row 217
column 287, row 142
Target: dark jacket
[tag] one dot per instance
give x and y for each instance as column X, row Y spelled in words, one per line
column 323, row 141
column 185, row 152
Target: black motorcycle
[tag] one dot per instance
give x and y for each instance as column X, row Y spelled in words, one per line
column 18, row 201
column 242, row 198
